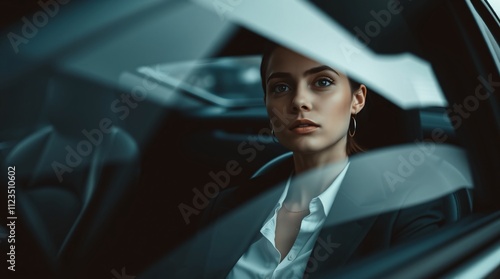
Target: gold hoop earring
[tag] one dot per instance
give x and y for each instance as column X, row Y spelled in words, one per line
column 275, row 139
column 355, row 126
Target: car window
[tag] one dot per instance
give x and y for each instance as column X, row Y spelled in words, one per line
column 148, row 149
column 407, row 176
column 231, row 78
column 225, row 81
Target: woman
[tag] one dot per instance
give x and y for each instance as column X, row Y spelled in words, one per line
column 320, row 102
column 312, row 109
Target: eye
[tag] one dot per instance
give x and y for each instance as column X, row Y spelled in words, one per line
column 280, row 88
column 323, row 82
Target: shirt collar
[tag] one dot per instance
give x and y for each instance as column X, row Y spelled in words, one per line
column 326, row 197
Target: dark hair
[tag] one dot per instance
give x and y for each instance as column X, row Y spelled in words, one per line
column 352, row 147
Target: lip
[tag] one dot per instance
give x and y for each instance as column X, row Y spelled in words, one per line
column 303, row 126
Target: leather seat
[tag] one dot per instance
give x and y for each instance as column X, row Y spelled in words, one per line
column 73, row 173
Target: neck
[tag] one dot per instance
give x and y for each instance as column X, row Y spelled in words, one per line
column 305, row 161
column 322, row 171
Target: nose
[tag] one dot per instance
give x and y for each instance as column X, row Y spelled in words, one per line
column 302, row 100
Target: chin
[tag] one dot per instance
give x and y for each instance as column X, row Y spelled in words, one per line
column 305, row 146
column 313, row 145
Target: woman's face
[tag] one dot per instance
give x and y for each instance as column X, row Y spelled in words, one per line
column 309, row 104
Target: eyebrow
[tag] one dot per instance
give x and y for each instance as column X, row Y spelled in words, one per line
column 319, row 69
column 306, row 73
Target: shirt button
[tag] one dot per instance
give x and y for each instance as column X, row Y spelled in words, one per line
column 290, row 257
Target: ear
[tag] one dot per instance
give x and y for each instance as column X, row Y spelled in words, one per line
column 358, row 99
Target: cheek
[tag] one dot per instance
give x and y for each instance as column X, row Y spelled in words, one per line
column 337, row 111
column 337, row 104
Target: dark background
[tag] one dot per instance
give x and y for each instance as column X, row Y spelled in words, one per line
column 11, row 11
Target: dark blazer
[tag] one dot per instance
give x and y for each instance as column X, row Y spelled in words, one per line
column 363, row 219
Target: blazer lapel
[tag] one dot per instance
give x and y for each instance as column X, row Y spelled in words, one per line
column 348, row 223
column 336, row 243
column 235, row 232
column 231, row 236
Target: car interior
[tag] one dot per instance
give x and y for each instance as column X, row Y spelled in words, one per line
column 102, row 168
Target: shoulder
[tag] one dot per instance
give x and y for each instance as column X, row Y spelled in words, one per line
column 426, row 217
column 235, row 196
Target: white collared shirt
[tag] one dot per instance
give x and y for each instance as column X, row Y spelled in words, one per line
column 262, row 259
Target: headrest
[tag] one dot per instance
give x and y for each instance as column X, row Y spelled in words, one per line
column 382, row 123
